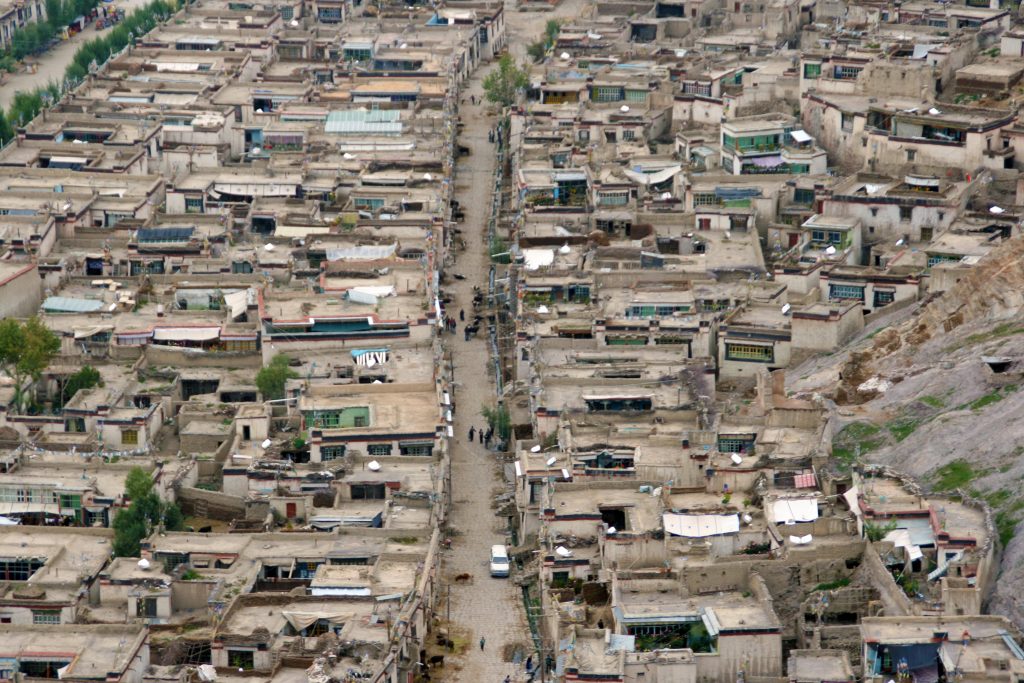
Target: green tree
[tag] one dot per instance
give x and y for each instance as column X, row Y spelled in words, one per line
column 86, row 378
column 271, row 379
column 25, row 351
column 145, row 513
column 6, row 129
column 499, row 420
column 503, row 84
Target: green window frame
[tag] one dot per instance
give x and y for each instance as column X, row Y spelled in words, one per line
column 845, row 292
column 812, row 70
column 378, row 449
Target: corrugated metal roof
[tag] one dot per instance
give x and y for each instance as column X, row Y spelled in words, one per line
column 64, row 304
column 368, row 115
column 363, row 127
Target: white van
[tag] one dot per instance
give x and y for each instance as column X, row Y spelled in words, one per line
column 499, row 561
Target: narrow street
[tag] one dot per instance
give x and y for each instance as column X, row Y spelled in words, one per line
column 485, row 607
column 50, row 65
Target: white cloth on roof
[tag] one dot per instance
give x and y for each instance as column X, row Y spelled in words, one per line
column 699, row 526
column 789, row 510
column 364, row 253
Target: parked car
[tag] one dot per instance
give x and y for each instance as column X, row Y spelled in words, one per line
column 499, row 561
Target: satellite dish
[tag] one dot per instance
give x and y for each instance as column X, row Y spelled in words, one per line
column 347, row 155
column 542, row 309
column 403, row 46
column 143, row 564
column 268, row 247
column 666, row 195
column 562, row 551
column 295, row 22
column 785, row 308
column 624, row 108
column 255, row 150
column 830, row 250
column 611, row 531
column 551, row 461
column 899, row 242
column 427, row 176
column 373, row 466
column 564, row 55
column 736, row 459
column 259, row 111
column 535, row 449
column 564, row 249
column 747, row 519
column 266, row 443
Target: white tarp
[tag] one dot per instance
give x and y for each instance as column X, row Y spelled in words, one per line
column 800, row 136
column 237, row 302
column 303, row 620
column 375, row 291
column 699, row 526
column 538, row 258
column 186, row 333
column 900, row 538
column 366, row 253
column 86, row 332
column 789, row 510
column 652, row 178
column 801, row 540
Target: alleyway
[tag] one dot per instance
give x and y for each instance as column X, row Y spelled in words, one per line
column 484, row 606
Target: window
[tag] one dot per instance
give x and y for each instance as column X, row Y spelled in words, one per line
column 604, row 93
column 416, row 448
column 45, row 616
column 705, row 198
column 145, row 607
column 911, row 153
column 846, row 292
column 367, row 491
column 628, row 134
column 330, row 15
column 703, row 223
column 803, row 196
column 926, row 234
column 129, row 437
column 735, row 444
column 241, row 659
column 331, row 452
column 935, row 259
column 20, row 569
column 845, row 71
column 906, row 212
column 193, row 204
column 613, row 198
column 847, row 122
column 749, row 352
column 379, row 449
column 812, row 70
column 884, row 297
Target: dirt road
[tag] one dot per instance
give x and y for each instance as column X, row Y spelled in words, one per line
column 487, row 607
column 51, row 66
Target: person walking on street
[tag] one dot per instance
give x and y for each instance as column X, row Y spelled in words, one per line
column 483, row 641
column 472, row 432
column 508, row 679
column 462, row 315
column 481, row 435
column 529, row 663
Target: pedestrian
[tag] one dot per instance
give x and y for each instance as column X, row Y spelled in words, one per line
column 483, row 641
column 472, row 432
column 481, row 434
column 508, row 679
column 462, row 315
column 529, row 663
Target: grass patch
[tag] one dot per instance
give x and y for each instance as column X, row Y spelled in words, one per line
column 998, row 498
column 988, row 399
column 901, row 429
column 832, row 585
column 405, row 540
column 932, row 401
column 852, row 436
column 1006, row 525
column 1001, row 330
column 954, row 475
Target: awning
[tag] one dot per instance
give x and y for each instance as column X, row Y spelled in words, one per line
column 64, row 304
column 765, row 162
column 805, row 481
column 800, row 136
column 186, row 333
column 699, row 526
column 86, row 332
column 237, row 302
column 303, row 620
column 652, row 178
column 790, row 510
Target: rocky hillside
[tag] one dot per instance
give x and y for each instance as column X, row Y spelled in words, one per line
column 915, row 393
